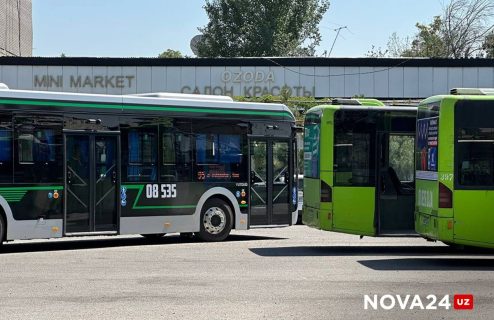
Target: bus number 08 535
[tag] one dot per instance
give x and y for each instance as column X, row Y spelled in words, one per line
column 164, row 191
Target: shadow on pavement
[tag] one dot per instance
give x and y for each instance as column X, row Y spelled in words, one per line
column 430, row 264
column 315, row 251
column 110, row 242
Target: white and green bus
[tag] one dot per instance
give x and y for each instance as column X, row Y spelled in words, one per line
column 80, row 164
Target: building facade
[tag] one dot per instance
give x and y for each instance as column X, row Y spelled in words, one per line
column 316, row 77
column 16, row 28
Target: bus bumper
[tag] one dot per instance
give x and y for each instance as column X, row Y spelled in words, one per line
column 433, row 227
column 317, row 218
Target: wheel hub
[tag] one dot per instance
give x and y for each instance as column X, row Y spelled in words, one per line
column 214, row 220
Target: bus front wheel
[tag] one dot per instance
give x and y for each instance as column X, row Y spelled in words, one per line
column 216, row 221
column 2, row 229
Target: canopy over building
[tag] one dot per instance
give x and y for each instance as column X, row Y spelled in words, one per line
column 402, row 78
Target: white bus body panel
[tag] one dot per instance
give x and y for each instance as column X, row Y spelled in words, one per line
column 30, row 229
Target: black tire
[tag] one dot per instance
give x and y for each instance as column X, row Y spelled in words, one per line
column 155, row 236
column 3, row 230
column 216, row 221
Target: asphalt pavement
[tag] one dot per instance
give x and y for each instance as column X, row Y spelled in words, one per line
column 286, row 273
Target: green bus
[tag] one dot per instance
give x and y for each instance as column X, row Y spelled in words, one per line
column 455, row 168
column 359, row 168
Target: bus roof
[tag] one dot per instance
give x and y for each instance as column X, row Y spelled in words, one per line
column 366, row 108
column 439, row 98
column 462, row 94
column 152, row 101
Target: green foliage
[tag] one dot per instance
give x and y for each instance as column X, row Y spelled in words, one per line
column 462, row 30
column 401, row 150
column 280, row 159
column 488, row 45
column 429, row 41
column 259, row 28
column 169, row 53
column 286, row 93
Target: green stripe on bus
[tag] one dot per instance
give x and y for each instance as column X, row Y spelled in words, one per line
column 140, row 187
column 145, row 107
column 31, row 188
column 15, row 194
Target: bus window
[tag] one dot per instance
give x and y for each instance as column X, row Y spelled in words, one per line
column 176, row 159
column 39, row 150
column 140, row 154
column 5, row 149
column 401, row 152
column 281, row 172
column 476, row 157
column 354, row 148
column 220, row 157
column 353, row 163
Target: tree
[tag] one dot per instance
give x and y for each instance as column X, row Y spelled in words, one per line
column 256, row 28
column 488, row 45
column 395, row 48
column 466, row 23
column 377, row 52
column 169, row 53
column 461, row 31
column 428, row 42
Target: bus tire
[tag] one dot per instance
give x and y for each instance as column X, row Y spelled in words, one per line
column 2, row 229
column 216, row 221
column 154, row 236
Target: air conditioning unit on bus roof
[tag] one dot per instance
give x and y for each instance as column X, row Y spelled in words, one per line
column 473, row 91
column 184, row 96
column 3, row 86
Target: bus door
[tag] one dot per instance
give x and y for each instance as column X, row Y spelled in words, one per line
column 354, row 155
column 91, row 183
column 271, row 179
column 395, row 183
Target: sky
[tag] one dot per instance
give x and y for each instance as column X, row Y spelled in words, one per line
column 145, row 28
